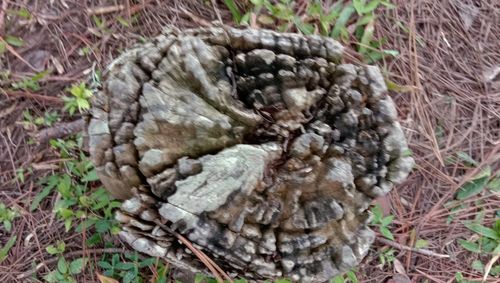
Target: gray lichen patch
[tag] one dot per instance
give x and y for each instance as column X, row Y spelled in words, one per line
column 259, row 147
column 239, row 169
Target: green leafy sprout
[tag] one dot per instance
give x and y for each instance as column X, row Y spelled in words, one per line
column 7, row 215
column 485, row 242
column 129, row 270
column 79, row 99
column 30, row 83
column 381, row 222
column 349, row 276
column 66, row 271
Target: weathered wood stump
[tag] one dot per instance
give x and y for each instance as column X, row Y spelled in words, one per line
column 259, row 147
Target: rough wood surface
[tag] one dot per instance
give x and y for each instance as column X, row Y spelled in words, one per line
column 259, row 147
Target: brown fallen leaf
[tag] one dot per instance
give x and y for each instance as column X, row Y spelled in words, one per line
column 398, row 267
column 399, row 278
column 105, row 279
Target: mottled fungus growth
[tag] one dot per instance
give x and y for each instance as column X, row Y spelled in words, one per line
column 259, row 147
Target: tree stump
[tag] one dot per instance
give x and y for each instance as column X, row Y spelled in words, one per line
column 259, row 147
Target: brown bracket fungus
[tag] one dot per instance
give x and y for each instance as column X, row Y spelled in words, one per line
column 259, row 147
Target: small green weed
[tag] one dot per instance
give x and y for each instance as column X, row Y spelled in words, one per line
column 348, row 21
column 66, row 271
column 349, row 276
column 130, row 270
column 78, row 201
column 483, row 183
column 485, row 242
column 462, row 157
column 4, row 251
column 84, row 51
column 48, row 119
column 56, row 249
column 22, row 13
column 459, row 277
column 101, row 26
column 21, row 173
column 489, row 240
column 386, row 257
column 14, row 41
column 127, row 23
column 475, row 186
column 382, row 222
column 7, row 215
column 30, row 83
column 420, row 243
column 79, row 99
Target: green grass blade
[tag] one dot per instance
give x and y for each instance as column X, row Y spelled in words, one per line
column 234, row 10
column 474, row 186
column 39, row 197
column 4, row 252
column 341, row 22
column 482, row 230
column 367, row 37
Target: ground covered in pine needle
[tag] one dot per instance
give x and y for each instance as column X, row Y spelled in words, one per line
column 446, row 79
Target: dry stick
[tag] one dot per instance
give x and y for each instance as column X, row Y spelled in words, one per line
column 127, row 8
column 60, row 130
column 489, row 265
column 117, row 8
column 2, row 15
column 434, row 279
column 217, row 12
column 219, row 269
column 195, row 18
column 202, row 256
column 406, row 248
column 105, row 10
column 209, row 263
column 35, row 96
column 69, row 255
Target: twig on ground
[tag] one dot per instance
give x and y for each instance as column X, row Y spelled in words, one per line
column 5, row 3
column 34, row 96
column 127, row 9
column 105, row 10
column 434, row 279
column 217, row 12
column 489, row 265
column 66, row 256
column 195, row 18
column 60, row 130
column 406, row 248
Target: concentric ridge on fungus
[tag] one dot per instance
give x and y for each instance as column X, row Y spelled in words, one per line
column 259, row 147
